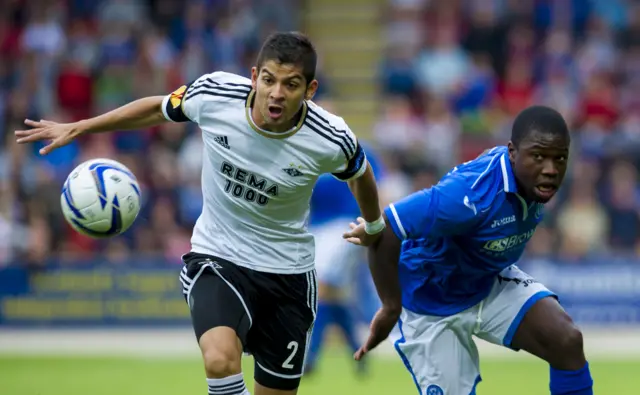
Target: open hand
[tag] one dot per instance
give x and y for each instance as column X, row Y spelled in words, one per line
column 59, row 134
column 359, row 236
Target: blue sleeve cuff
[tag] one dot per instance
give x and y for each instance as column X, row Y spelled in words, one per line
column 395, row 222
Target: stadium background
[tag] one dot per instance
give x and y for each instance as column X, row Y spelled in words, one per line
column 425, row 83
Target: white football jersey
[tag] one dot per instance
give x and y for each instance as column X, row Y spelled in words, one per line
column 257, row 184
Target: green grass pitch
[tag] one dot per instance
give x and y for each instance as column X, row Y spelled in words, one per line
column 27, row 375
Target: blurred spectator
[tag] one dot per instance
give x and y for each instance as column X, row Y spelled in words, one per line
column 441, row 134
column 398, row 129
column 515, row 91
column 622, row 201
column 629, row 34
column 398, row 77
column 582, row 223
column 441, row 67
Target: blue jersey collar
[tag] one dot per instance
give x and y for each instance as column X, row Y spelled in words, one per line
column 508, row 178
column 510, row 185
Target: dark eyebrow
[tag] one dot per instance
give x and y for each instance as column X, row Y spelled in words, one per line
column 295, row 77
column 538, row 147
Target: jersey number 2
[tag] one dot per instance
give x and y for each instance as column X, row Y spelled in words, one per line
column 293, row 346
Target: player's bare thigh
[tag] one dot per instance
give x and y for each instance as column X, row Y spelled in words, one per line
column 548, row 332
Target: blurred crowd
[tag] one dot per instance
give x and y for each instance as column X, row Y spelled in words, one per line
column 455, row 73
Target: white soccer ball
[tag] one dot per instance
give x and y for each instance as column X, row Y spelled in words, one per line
column 100, row 198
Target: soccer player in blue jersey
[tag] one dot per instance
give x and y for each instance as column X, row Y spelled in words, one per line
column 444, row 267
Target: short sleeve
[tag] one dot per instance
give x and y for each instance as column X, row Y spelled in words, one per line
column 351, row 161
column 179, row 107
column 443, row 210
column 187, row 102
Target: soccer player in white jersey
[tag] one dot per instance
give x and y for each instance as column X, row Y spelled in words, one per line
column 249, row 278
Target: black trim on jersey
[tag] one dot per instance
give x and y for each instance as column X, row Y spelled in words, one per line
column 213, row 84
column 342, row 134
column 217, row 87
column 222, row 85
column 326, row 136
column 221, row 89
column 353, row 166
column 229, row 94
column 239, row 85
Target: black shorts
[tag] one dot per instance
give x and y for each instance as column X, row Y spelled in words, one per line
column 272, row 314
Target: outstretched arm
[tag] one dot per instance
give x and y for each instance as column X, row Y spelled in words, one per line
column 177, row 106
column 141, row 113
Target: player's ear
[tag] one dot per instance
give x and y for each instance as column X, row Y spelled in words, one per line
column 312, row 88
column 254, row 77
column 512, row 151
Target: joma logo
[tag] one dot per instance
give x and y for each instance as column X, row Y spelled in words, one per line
column 503, row 221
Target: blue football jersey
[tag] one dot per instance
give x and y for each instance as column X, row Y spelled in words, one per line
column 459, row 234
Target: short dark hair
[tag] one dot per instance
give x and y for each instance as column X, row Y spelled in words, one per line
column 290, row 48
column 537, row 118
